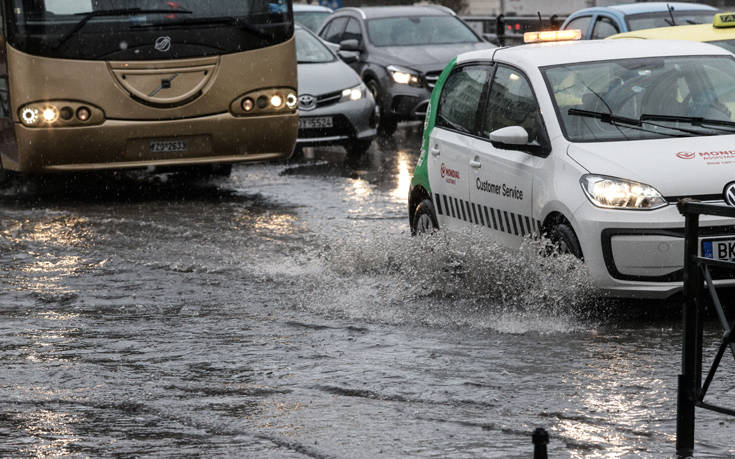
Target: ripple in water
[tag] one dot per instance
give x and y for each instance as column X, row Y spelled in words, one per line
column 462, row 280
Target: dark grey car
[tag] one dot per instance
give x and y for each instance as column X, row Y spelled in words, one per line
column 400, row 50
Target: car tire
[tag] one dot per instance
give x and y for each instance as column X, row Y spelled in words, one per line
column 386, row 124
column 356, row 150
column 564, row 240
column 424, row 219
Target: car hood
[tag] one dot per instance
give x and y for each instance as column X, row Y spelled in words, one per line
column 326, row 77
column 426, row 58
column 687, row 166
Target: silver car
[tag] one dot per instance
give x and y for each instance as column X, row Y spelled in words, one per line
column 335, row 106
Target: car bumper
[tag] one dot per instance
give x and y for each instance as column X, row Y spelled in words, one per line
column 352, row 120
column 641, row 253
column 409, row 103
column 119, row 144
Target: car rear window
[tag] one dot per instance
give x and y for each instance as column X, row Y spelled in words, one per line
column 419, row 30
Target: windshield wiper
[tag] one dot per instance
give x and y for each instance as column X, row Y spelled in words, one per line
column 119, row 12
column 617, row 120
column 231, row 20
column 693, row 120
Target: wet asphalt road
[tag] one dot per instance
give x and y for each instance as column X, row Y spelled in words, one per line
column 285, row 311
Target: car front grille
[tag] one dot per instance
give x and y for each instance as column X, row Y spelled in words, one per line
column 431, row 79
column 328, row 99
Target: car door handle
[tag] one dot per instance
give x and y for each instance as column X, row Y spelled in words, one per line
column 435, row 150
column 475, row 164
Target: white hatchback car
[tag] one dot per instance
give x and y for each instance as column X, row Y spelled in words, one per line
column 591, row 143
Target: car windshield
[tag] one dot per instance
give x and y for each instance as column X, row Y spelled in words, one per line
column 726, row 44
column 124, row 29
column 647, row 98
column 310, row 50
column 419, row 30
column 312, row 20
column 663, row 19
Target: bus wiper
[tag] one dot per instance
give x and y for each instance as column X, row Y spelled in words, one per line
column 693, row 120
column 617, row 120
column 231, row 20
column 119, row 12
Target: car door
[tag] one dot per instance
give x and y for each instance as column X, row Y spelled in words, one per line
column 450, row 144
column 501, row 176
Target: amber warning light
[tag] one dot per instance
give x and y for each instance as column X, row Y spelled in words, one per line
column 552, row 35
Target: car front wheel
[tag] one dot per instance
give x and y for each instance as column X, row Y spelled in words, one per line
column 386, row 124
column 424, row 219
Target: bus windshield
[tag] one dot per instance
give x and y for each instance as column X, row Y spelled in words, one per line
column 146, row 29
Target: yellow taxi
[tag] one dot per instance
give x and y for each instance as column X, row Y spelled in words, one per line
column 721, row 32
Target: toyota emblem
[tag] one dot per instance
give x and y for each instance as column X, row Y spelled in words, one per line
column 730, row 194
column 307, row 102
column 163, row 44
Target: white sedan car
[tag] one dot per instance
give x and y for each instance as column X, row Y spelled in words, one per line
column 590, row 143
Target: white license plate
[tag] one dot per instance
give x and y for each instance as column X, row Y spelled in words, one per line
column 167, row 146
column 719, row 249
column 319, row 122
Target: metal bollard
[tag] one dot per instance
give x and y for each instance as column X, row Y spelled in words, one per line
column 540, row 439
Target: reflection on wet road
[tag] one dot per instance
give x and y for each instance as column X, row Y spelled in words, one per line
column 286, row 312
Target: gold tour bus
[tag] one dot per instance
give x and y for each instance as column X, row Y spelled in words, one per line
column 106, row 84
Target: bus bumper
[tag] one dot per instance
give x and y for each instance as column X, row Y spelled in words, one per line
column 119, row 144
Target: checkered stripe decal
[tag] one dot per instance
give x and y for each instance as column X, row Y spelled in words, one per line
column 496, row 219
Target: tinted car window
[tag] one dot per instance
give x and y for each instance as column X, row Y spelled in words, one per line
column 582, row 23
column 460, row 99
column 511, row 102
column 334, row 29
column 419, row 30
column 352, row 31
column 604, row 27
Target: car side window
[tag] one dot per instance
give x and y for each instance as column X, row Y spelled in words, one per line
column 604, row 27
column 460, row 99
column 511, row 102
column 582, row 23
column 333, row 31
column 352, row 31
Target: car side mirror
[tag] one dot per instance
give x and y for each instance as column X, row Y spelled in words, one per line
column 349, row 45
column 511, row 135
column 348, row 57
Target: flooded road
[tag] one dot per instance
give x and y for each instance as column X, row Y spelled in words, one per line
column 285, row 311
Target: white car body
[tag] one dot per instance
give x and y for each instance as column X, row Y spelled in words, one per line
column 628, row 252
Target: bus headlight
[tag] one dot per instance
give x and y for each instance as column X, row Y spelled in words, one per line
column 615, row 193
column 265, row 102
column 355, row 93
column 49, row 115
column 29, row 116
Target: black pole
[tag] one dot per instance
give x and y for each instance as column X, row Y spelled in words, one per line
column 540, row 439
column 691, row 339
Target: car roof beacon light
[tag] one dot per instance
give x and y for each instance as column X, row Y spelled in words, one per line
column 723, row 20
column 552, row 35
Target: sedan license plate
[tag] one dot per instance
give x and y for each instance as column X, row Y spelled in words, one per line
column 719, row 249
column 319, row 122
column 167, row 146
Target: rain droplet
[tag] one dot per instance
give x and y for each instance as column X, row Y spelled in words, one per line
column 123, row 45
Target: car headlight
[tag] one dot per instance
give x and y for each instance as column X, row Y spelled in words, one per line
column 615, row 193
column 356, row 93
column 403, row 75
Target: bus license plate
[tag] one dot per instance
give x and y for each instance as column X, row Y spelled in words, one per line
column 719, row 249
column 316, row 122
column 167, row 146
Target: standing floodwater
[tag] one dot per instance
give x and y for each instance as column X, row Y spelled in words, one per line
column 286, row 312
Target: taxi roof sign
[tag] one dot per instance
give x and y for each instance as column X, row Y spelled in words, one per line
column 552, row 35
column 724, row 20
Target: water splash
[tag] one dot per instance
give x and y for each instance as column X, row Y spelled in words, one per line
column 463, row 280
